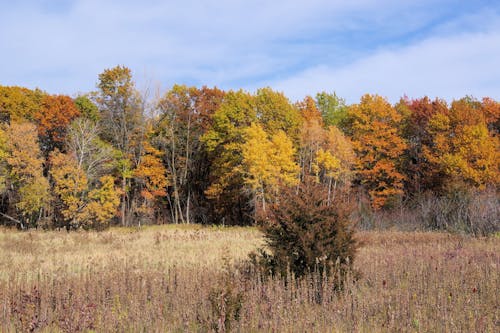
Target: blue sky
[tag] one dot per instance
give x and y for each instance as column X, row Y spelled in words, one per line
column 440, row 48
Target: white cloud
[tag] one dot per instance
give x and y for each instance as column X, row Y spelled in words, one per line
column 446, row 67
column 229, row 43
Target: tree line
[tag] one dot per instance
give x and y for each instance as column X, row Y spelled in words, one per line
column 204, row 155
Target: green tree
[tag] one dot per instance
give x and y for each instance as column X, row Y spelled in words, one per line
column 87, row 108
column 333, row 110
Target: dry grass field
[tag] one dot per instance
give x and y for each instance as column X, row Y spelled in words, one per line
column 177, row 279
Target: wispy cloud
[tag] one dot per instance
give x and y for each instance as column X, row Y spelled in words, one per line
column 297, row 46
column 449, row 66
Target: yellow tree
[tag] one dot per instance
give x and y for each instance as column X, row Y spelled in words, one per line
column 334, row 162
column 102, row 204
column 276, row 113
column 286, row 170
column 69, row 188
column 463, row 148
column 18, row 104
column 28, row 192
column 376, row 141
column 267, row 163
column 3, row 162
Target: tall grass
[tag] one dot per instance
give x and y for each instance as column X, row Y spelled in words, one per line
column 188, row 279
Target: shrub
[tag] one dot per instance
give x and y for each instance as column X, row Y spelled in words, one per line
column 304, row 234
column 461, row 210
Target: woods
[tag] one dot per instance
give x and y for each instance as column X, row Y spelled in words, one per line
column 208, row 156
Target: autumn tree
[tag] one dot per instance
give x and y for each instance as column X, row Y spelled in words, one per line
column 102, row 204
column 78, row 202
column 267, row 164
column 185, row 114
column 223, row 142
column 94, row 156
column 28, row 193
column 491, row 111
column 18, row 104
column 334, row 162
column 463, row 148
column 121, row 124
column 275, row 113
column 151, row 177
column 176, row 134
column 421, row 173
column 312, row 135
column 374, row 125
column 3, row 161
column 69, row 189
column 53, row 118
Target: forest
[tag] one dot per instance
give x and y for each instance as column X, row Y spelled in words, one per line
column 120, row 156
column 203, row 210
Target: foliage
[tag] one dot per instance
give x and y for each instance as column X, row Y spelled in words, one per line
column 422, row 173
column 312, row 135
column 70, row 187
column 201, row 155
column 305, row 234
column 184, row 117
column 374, row 125
column 18, row 104
column 53, row 118
column 334, row 164
column 121, row 111
column 87, row 108
column 223, row 142
column 102, row 206
column 29, row 189
column 463, row 148
column 333, row 109
column 152, row 177
column 93, row 155
column 276, row 113
column 267, row 163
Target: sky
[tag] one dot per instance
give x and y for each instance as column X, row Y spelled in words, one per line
column 394, row 48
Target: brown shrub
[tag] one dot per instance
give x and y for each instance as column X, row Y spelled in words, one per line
column 304, row 233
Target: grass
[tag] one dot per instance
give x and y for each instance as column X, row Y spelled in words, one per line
column 183, row 278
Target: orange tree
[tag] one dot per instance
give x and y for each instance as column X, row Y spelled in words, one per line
column 376, row 141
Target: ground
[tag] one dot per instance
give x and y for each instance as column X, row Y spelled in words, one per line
column 190, row 278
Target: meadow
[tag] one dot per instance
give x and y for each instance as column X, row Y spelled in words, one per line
column 190, row 278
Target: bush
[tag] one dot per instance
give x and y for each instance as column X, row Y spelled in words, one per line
column 462, row 210
column 304, row 234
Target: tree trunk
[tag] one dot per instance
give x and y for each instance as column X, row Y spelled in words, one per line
column 124, row 201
